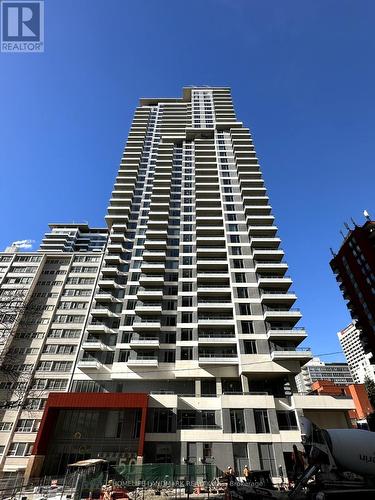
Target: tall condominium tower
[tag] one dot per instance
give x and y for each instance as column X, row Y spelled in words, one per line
column 190, row 348
column 193, row 305
column 354, row 267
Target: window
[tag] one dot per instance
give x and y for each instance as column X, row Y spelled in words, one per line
column 187, row 419
column 186, row 353
column 186, row 334
column 186, row 317
column 232, row 227
column 238, row 264
column 247, row 327
column 207, row 450
column 123, row 356
column 187, row 301
column 169, row 356
column 240, row 277
column 262, row 425
column 35, row 403
column 242, row 293
column 236, row 251
column 26, row 425
column 237, row 420
column 234, row 238
column 187, row 286
column 161, row 420
column 267, row 457
column 168, row 320
column 19, row 449
column 5, row 426
column 208, row 418
column 187, row 273
column 250, row 347
column 245, row 309
column 287, row 420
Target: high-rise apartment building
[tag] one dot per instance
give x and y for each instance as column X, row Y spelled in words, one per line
column 354, row 267
column 316, row 370
column 74, row 238
column 190, row 347
column 350, row 340
column 45, row 299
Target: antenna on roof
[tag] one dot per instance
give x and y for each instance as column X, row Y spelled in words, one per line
column 342, row 234
column 353, row 221
column 347, row 226
column 332, row 252
column 367, row 215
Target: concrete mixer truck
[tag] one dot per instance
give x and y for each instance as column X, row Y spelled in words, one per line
column 341, row 466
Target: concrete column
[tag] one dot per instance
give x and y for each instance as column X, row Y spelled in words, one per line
column 272, row 418
column 279, row 458
column 253, row 454
column 219, row 387
column 245, row 383
column 226, row 420
column 198, row 390
column 249, row 420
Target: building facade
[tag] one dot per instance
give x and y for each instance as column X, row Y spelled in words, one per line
column 190, row 347
column 45, row 299
column 354, row 267
column 358, row 360
column 315, row 370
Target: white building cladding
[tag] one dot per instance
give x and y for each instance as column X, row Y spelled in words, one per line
column 316, row 369
column 193, row 304
column 45, row 298
column 356, row 357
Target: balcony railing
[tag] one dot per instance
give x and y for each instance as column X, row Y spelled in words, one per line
column 215, row 317
column 216, row 335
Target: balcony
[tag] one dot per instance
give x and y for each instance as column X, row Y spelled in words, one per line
column 94, row 345
column 293, row 334
column 216, row 289
column 263, row 253
column 145, row 343
column 104, row 312
column 152, row 256
column 155, row 267
column 144, row 361
column 266, row 243
column 148, row 308
column 147, row 325
column 282, row 314
column 219, row 358
column 104, row 296
column 215, row 319
column 262, row 231
column 99, row 328
column 89, row 364
column 216, row 337
column 274, row 281
column 271, row 266
column 252, row 209
column 151, row 280
column 278, row 297
column 214, row 304
column 149, row 294
column 302, row 354
column 153, row 245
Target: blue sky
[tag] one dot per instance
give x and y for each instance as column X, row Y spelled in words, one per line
column 303, row 78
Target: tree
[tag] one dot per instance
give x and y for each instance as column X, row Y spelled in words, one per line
column 17, row 312
column 370, row 388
